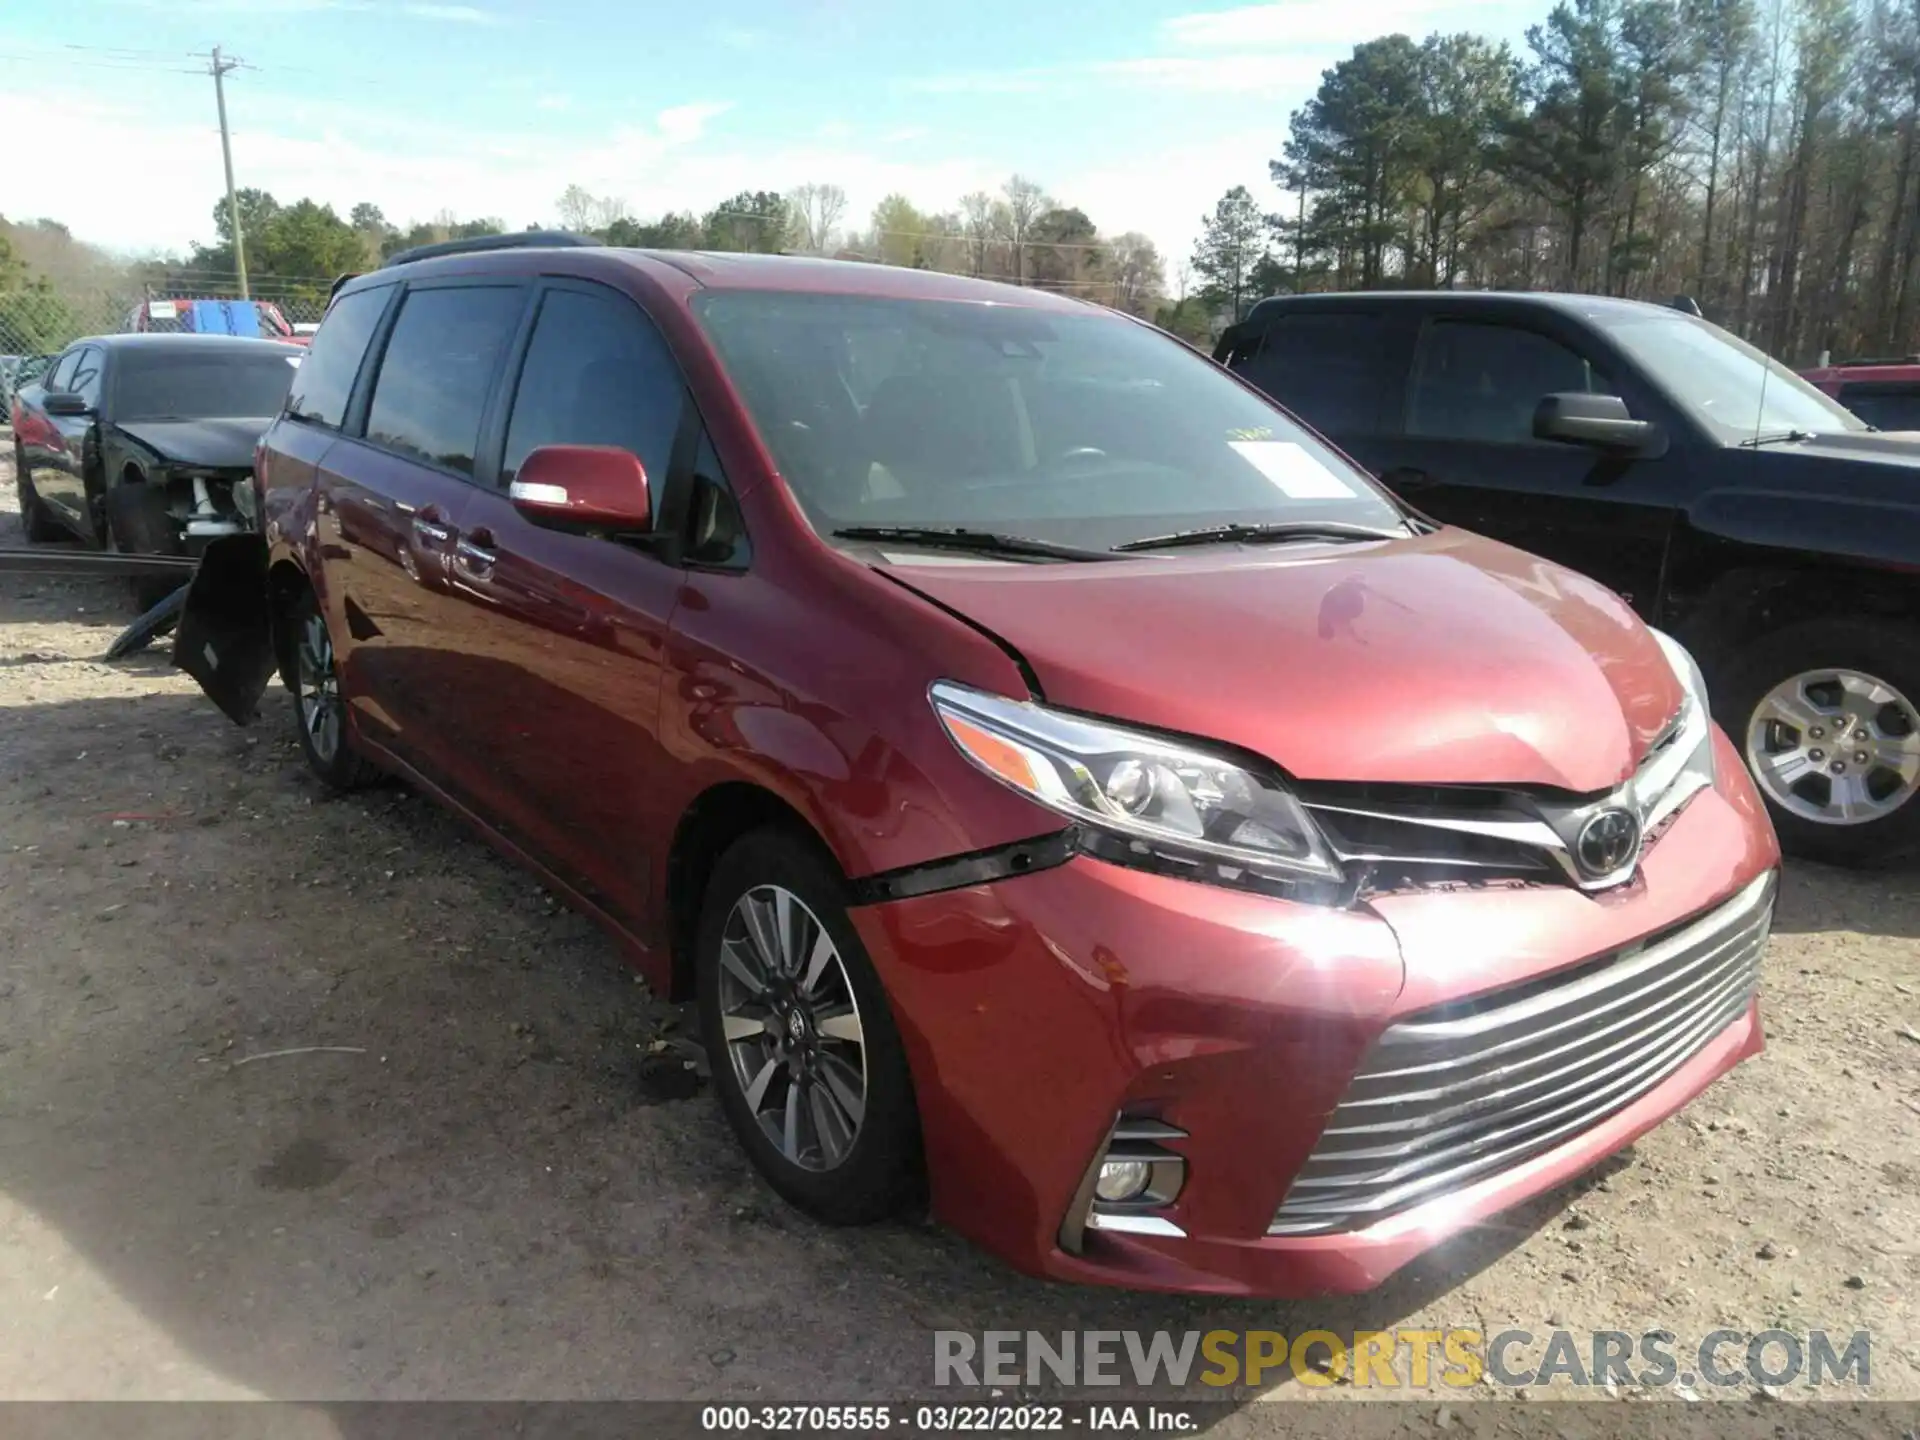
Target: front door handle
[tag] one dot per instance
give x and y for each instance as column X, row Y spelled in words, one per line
column 429, row 531
column 474, row 556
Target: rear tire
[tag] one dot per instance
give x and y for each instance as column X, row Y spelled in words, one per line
column 807, row 1063
column 35, row 519
column 138, row 524
column 319, row 712
column 1827, row 716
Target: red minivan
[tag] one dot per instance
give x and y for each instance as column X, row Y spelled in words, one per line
column 1062, row 781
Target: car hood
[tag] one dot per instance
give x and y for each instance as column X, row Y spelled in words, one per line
column 1880, row 447
column 1442, row 659
column 216, row 444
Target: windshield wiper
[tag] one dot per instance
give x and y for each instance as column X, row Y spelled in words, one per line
column 1784, row 437
column 1256, row 534
column 986, row 542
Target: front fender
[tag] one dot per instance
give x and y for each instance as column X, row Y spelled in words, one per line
column 225, row 639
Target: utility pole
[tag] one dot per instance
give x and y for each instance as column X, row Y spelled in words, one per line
column 220, row 67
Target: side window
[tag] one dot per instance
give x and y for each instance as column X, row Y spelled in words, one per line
column 86, row 376
column 1476, row 381
column 596, row 373
column 61, row 371
column 323, row 383
column 1323, row 367
column 439, row 365
column 1884, row 405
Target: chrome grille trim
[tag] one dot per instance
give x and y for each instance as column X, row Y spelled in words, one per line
column 1452, row 1095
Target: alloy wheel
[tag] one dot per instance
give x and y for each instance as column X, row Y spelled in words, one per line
column 1837, row 747
column 792, row 1028
column 318, row 688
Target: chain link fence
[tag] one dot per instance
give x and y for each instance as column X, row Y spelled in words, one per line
column 41, row 320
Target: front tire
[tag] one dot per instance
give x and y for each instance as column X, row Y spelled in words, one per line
column 806, row 1060
column 313, row 679
column 138, row 524
column 1827, row 715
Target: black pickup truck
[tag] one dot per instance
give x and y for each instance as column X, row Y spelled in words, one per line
column 1732, row 503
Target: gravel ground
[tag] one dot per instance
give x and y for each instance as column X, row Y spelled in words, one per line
column 505, row 1182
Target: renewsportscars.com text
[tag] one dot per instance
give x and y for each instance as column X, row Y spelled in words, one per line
column 1392, row 1359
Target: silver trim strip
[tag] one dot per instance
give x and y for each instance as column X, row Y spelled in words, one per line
column 1135, row 1225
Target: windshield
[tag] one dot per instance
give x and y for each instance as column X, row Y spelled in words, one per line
column 1734, row 390
column 174, row 384
column 1086, row 429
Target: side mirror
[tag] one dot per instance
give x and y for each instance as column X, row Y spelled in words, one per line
column 1601, row 421
column 590, row 487
column 65, row 402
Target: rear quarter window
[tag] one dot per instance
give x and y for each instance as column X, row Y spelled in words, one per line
column 323, row 383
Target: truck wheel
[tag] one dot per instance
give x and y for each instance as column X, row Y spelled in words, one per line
column 320, row 711
column 35, row 519
column 138, row 524
column 1827, row 715
column 807, row 1064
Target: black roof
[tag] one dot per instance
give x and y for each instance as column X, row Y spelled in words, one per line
column 187, row 340
column 512, row 240
column 1490, row 299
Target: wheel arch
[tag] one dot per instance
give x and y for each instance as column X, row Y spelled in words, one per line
column 716, row 818
column 285, row 582
column 1745, row 604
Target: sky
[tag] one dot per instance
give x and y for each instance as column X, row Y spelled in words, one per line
column 1141, row 112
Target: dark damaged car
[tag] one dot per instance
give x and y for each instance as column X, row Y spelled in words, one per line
column 134, row 442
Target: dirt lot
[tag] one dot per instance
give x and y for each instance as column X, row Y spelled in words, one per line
column 498, row 1184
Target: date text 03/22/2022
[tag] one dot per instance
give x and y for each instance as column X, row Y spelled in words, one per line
column 1119, row 1418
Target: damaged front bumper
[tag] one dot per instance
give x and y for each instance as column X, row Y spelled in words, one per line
column 225, row 635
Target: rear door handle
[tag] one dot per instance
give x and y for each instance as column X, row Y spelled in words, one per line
column 429, row 531
column 1407, row 477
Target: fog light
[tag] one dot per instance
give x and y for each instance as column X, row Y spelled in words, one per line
column 1123, row 1180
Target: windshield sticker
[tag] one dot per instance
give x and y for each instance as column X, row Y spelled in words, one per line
column 1258, row 432
column 1293, row 471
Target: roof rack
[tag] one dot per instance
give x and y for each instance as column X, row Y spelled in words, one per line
column 1878, row 360
column 516, row 240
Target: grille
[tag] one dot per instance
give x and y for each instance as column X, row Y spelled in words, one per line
column 1454, row 1094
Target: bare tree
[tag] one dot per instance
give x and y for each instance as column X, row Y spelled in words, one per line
column 816, row 210
column 1025, row 202
column 1136, row 271
column 578, row 208
column 976, row 212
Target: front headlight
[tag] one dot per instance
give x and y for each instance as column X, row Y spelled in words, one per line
column 1682, row 764
column 1140, row 798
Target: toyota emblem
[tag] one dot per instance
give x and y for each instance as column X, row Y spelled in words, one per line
column 1608, row 842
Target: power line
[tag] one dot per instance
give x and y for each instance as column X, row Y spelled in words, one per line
column 124, row 67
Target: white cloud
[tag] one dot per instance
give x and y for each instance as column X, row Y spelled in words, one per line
column 1212, row 74
column 169, row 176
column 739, row 37
column 684, row 124
column 1220, row 75
column 553, row 102
column 1165, row 193
column 453, row 14
column 1301, row 22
